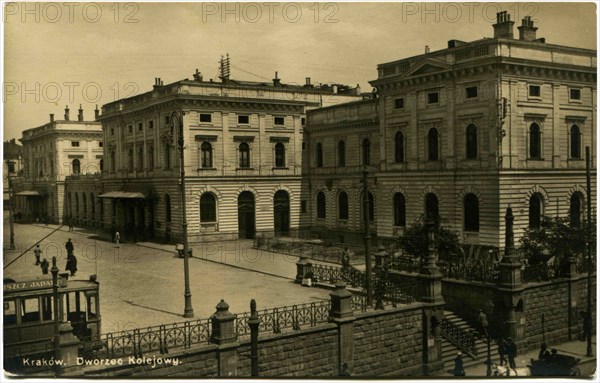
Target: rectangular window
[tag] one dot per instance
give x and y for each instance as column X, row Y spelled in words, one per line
column 75, row 143
column 167, row 120
column 10, row 312
column 303, row 208
column 100, row 144
column 205, row 117
column 574, row 94
column 433, row 98
column 303, row 145
column 244, row 119
column 112, row 131
column 140, row 127
column 150, row 124
column 279, row 120
column 130, row 128
column 303, row 121
column 535, row 91
column 30, row 310
column 471, row 91
column 399, row 103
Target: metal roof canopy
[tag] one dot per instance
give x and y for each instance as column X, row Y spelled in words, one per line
column 29, row 193
column 121, row 194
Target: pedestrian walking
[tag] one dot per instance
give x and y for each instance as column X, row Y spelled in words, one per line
column 345, row 258
column 117, row 237
column 70, row 224
column 484, row 323
column 71, row 264
column 69, row 246
column 458, row 365
column 44, row 266
column 38, row 253
column 511, row 352
column 502, row 351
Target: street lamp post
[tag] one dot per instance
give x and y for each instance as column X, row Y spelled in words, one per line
column 589, row 252
column 11, row 214
column 188, row 311
column 54, row 271
column 367, row 238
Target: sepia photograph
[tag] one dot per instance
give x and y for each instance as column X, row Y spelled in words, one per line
column 305, row 190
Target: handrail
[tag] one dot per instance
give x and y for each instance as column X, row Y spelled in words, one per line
column 463, row 339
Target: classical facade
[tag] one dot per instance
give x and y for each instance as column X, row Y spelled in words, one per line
column 242, row 158
column 460, row 134
column 51, row 152
column 12, row 166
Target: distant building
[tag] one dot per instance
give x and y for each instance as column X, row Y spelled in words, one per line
column 460, row 134
column 12, row 167
column 51, row 152
column 243, row 157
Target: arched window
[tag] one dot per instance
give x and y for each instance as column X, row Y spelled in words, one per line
column 471, row 211
column 280, row 155
column 366, row 151
column 535, row 211
column 341, row 153
column 399, row 147
column 101, row 166
column 432, row 145
column 208, row 208
column 319, row 155
column 244, row 152
column 321, row 206
column 535, row 142
column 84, row 205
column 431, row 207
column 575, row 142
column 471, row 142
column 167, row 156
column 342, row 205
column 206, row 157
column 167, row 208
column 76, row 166
column 151, row 157
column 113, row 162
column 140, row 159
column 371, row 207
column 93, row 204
column 399, row 210
column 575, row 209
column 130, row 159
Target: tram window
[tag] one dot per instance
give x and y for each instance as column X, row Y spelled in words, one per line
column 10, row 313
column 47, row 308
column 91, row 309
column 30, row 310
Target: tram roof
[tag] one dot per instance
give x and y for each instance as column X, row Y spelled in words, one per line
column 27, row 285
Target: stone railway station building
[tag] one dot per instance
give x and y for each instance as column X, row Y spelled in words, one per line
column 461, row 133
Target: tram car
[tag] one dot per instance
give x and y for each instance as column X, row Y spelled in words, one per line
column 29, row 314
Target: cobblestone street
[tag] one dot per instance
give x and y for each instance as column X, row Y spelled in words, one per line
column 142, row 284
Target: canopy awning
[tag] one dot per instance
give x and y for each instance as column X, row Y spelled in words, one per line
column 29, row 193
column 122, row 194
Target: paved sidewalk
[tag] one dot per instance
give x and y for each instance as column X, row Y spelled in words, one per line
column 587, row 365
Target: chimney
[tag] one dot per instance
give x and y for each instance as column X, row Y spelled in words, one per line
column 308, row 85
column 197, row 76
column 157, row 83
column 80, row 115
column 276, row 80
column 67, row 113
column 51, row 117
column 503, row 29
column 426, row 49
column 96, row 112
column 527, row 30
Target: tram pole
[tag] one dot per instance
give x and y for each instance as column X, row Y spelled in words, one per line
column 188, row 310
column 57, row 312
column 589, row 351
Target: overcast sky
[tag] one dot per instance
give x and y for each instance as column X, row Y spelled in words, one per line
column 95, row 53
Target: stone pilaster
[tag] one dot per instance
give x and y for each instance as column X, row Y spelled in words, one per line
column 225, row 337
column 342, row 314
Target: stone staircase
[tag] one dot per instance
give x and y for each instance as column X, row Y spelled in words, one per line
column 449, row 350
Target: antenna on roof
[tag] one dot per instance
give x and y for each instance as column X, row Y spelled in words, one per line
column 224, row 68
